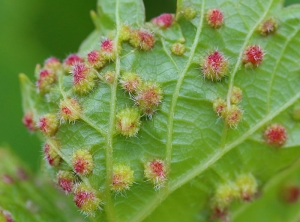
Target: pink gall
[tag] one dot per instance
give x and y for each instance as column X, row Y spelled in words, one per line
column 65, row 180
column 253, row 56
column 82, row 161
column 70, row 61
column 83, row 78
column 52, row 63
column 50, row 152
column 29, row 122
column 148, row 97
column 214, row 66
column 215, row 18
column 142, row 39
column 48, row 124
column 86, row 199
column 164, row 20
column 156, row 172
column 95, row 59
column 275, row 135
column 45, row 80
column 109, row 49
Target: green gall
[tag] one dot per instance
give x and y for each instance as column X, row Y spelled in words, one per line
column 236, row 95
column 69, row 110
column 268, row 26
column 130, row 82
column 82, row 162
column 122, row 178
column 128, row 122
column 148, row 97
column 178, row 49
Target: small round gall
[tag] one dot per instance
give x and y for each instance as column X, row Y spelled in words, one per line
column 178, row 49
column 70, row 61
column 122, row 178
column 83, row 78
column 128, row 122
column 86, row 199
column 48, row 124
column 156, row 172
column 236, row 95
column 125, row 33
column 109, row 76
column 50, row 151
column 268, row 26
column 130, row 82
column 65, row 180
column 95, row 59
column 219, row 106
column 247, row 186
column 82, row 162
column 275, row 135
column 52, row 63
column 214, row 66
column 253, row 56
column 69, row 110
column 164, row 20
column 148, row 97
column 224, row 195
column 214, row 18
column 290, row 193
column 45, row 80
column 29, row 122
column 142, row 39
column 108, row 50
column 232, row 115
column 189, row 13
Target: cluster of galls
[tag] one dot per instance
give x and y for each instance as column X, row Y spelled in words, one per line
column 244, row 188
column 231, row 114
column 146, row 96
column 215, row 67
column 86, row 198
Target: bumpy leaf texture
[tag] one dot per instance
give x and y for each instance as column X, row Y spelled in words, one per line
column 199, row 150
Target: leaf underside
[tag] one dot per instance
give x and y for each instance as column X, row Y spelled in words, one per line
column 201, row 152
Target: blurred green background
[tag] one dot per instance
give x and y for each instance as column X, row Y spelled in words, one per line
column 31, row 31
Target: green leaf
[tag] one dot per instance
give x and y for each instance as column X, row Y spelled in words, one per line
column 200, row 150
column 129, row 12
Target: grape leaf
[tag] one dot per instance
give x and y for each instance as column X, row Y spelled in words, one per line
column 200, row 150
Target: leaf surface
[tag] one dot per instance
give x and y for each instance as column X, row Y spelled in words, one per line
column 201, row 151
